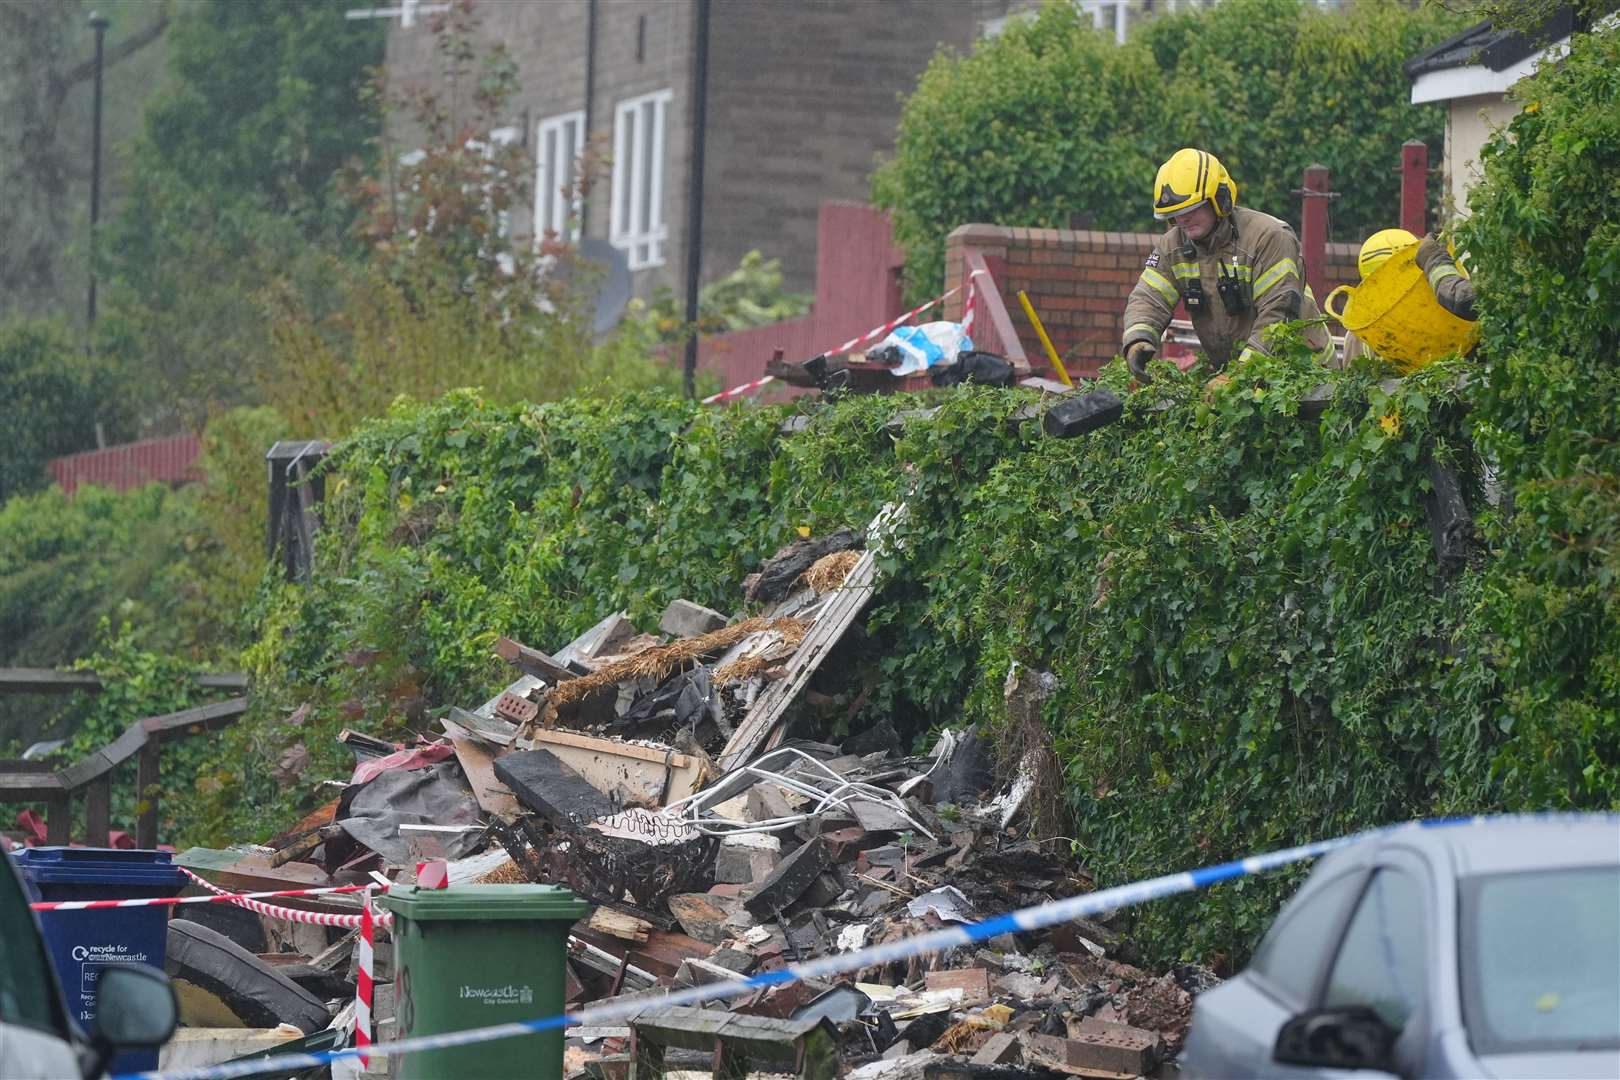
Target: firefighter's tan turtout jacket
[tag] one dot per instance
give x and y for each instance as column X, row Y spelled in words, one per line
column 1256, row 250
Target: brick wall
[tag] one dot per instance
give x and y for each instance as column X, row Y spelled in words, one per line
column 803, row 98
column 1078, row 281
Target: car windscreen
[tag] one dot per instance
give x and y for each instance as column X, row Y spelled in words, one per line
column 1541, row 960
column 28, row 992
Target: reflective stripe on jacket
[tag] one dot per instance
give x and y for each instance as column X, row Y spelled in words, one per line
column 1257, row 249
column 1455, row 292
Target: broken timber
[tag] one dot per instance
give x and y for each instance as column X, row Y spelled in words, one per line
column 848, row 601
column 532, row 661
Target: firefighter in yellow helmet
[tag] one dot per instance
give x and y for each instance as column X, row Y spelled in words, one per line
column 1236, row 269
column 1452, row 288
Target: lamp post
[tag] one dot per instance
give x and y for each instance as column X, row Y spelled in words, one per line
column 99, row 24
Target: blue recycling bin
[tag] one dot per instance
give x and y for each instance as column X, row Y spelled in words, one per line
column 84, row 943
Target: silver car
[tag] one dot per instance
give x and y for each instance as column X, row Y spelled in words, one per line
column 1483, row 949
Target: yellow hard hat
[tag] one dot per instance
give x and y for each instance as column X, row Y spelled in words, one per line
column 1189, row 178
column 1379, row 247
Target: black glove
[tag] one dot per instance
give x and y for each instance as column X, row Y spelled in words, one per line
column 1137, row 357
column 1431, row 251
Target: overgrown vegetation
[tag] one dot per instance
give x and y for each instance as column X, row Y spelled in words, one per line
column 1254, row 642
column 1241, row 606
column 1052, row 123
column 231, row 190
column 1546, row 243
column 51, row 397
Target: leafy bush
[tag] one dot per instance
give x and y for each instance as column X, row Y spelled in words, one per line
column 138, row 683
column 51, row 396
column 749, row 296
column 1053, row 120
column 1546, row 246
column 69, row 563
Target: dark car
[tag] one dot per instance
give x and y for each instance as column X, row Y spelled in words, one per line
column 1482, row 949
column 135, row 1007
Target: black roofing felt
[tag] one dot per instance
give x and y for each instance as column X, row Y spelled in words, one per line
column 1494, row 49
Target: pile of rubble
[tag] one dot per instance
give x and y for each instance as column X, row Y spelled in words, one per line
column 654, row 775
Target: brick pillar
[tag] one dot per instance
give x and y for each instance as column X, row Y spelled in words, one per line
column 1314, row 228
column 1414, row 187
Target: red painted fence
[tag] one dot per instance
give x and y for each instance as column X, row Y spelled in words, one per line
column 170, row 460
column 857, row 288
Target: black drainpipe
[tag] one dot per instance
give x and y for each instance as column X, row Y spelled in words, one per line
column 694, row 192
column 590, row 102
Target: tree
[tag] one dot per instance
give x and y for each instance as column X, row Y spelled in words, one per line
column 1051, row 123
column 233, row 186
column 51, row 394
column 749, row 296
column 46, row 70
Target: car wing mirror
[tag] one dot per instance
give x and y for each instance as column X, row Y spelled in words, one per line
column 1341, row 1038
column 135, row 1010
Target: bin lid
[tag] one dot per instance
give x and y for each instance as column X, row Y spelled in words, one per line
column 486, row 902
column 99, row 866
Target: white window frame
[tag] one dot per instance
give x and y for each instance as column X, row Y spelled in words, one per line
column 638, row 179
column 499, row 137
column 556, row 163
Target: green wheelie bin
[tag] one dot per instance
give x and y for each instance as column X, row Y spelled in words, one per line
column 473, row 956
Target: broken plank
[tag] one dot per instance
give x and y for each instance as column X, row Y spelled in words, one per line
column 848, row 601
column 305, row 844
column 618, row 924
column 253, row 873
column 494, row 797
column 640, row 774
column 532, row 661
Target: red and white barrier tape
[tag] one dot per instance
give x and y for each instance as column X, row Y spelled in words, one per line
column 747, row 387
column 883, row 330
column 878, row 331
column 171, row 901
column 313, row 918
column 970, row 308
column 363, row 983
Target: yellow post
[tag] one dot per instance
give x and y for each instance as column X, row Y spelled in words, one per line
column 1029, row 309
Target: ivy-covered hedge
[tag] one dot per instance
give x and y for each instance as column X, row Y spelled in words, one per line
column 1544, row 243
column 1242, row 606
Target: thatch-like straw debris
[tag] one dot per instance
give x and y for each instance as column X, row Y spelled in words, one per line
column 658, row 662
column 830, row 571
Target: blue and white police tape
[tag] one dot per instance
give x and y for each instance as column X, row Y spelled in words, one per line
column 1030, row 918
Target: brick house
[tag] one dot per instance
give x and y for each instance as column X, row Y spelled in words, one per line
column 802, row 99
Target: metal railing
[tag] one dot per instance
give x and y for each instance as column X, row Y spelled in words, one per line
column 36, row 782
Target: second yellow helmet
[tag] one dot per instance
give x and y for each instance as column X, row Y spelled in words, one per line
column 1379, row 247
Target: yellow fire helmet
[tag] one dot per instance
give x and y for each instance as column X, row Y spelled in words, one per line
column 1379, row 247
column 1189, row 178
